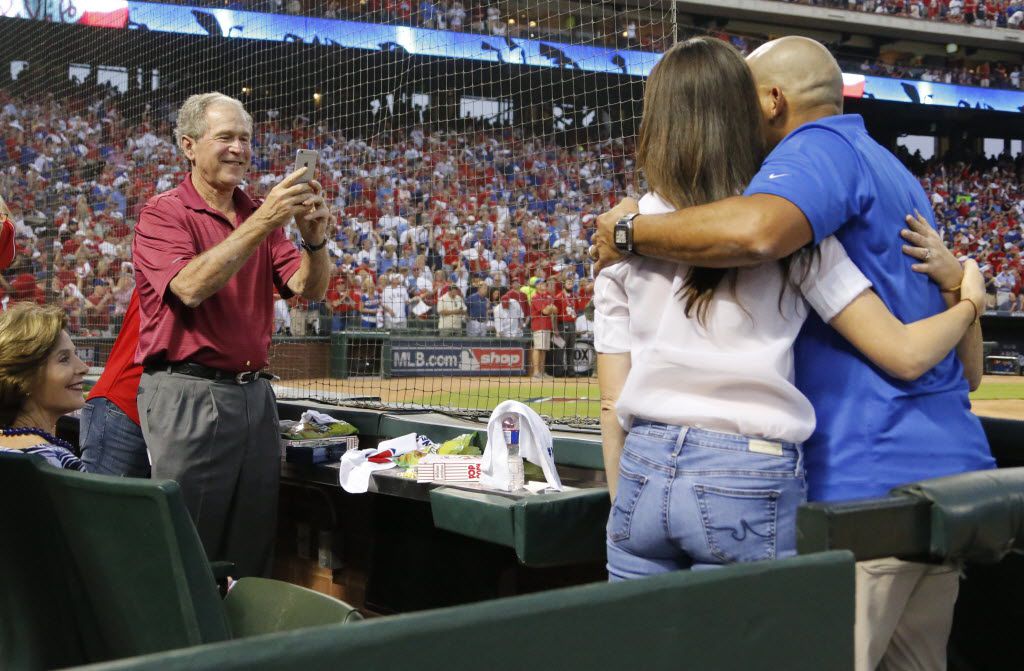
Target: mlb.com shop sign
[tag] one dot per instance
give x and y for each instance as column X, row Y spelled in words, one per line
column 456, row 360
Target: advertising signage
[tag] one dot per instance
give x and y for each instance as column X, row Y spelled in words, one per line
column 416, row 358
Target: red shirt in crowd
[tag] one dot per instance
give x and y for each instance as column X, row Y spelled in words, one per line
column 566, row 307
column 119, row 382
column 231, row 329
column 538, row 320
column 6, row 243
column 24, row 288
column 337, row 292
column 519, row 297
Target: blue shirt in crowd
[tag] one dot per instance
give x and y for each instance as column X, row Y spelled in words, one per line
column 874, row 432
column 476, row 306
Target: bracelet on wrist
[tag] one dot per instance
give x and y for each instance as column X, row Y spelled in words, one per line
column 977, row 315
column 951, row 289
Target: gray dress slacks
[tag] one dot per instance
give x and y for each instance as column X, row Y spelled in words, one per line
column 220, row 442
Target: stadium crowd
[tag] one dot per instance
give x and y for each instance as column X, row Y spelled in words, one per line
column 490, row 212
column 987, row 13
column 634, row 33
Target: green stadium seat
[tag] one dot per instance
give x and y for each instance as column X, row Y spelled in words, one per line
column 142, row 579
column 739, row 618
column 257, row 606
column 39, row 598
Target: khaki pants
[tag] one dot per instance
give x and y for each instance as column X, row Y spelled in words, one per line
column 299, row 317
column 904, row 615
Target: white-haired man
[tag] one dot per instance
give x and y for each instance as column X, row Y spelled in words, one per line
column 207, row 260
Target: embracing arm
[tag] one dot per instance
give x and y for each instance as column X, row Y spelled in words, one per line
column 904, row 351
column 737, row 231
column 612, row 370
column 907, row 351
column 936, row 261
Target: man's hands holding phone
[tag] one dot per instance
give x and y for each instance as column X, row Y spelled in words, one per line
column 313, row 221
column 300, row 197
column 290, row 198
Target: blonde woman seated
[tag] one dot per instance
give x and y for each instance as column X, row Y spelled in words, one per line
column 40, row 380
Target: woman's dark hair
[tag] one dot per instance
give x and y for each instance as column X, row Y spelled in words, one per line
column 701, row 139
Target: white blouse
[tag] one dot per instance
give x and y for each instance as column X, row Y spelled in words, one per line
column 734, row 375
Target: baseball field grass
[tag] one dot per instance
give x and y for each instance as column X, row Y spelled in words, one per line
column 993, row 389
column 559, row 398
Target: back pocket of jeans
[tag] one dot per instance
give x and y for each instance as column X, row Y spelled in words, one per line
column 739, row 524
column 631, row 485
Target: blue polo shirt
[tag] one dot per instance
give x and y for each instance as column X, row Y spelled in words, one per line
column 476, row 306
column 873, row 432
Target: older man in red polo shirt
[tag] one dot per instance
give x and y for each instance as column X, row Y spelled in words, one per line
column 207, row 260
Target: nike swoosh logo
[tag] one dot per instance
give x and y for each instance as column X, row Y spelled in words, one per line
column 774, row 176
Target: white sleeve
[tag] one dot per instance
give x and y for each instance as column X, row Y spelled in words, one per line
column 833, row 281
column 611, row 311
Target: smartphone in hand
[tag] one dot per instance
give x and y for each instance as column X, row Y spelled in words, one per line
column 306, row 158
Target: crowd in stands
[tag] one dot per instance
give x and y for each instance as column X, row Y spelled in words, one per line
column 985, row 13
column 419, row 212
column 487, row 211
column 985, row 74
column 635, row 33
column 979, row 207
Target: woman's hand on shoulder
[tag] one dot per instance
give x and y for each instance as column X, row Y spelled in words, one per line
column 934, row 260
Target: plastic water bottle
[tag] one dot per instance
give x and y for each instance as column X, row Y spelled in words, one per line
column 510, row 428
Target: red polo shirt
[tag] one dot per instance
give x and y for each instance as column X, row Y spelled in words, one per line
column 231, row 329
column 6, row 243
column 538, row 320
column 119, row 382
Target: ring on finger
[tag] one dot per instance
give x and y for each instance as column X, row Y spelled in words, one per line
column 927, row 254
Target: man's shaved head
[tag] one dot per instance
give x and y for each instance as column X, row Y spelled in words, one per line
column 798, row 81
column 799, row 73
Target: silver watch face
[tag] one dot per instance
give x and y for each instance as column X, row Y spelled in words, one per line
column 620, row 236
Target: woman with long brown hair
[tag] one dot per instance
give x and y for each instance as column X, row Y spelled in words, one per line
column 696, row 364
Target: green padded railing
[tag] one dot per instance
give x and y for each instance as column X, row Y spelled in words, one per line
column 744, row 617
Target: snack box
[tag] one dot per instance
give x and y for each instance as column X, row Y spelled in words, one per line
column 313, row 451
column 449, row 468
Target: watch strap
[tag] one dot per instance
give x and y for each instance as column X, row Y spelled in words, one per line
column 314, row 248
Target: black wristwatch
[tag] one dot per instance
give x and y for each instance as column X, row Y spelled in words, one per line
column 623, row 234
column 314, row 248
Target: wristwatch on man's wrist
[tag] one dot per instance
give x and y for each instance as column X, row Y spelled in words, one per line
column 623, row 233
column 314, row 248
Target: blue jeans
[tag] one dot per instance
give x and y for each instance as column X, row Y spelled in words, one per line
column 111, row 442
column 690, row 499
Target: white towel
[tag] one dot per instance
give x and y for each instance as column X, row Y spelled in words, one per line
column 355, row 469
column 534, row 446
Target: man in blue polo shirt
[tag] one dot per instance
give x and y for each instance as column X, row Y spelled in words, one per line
column 826, row 176
column 477, row 306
